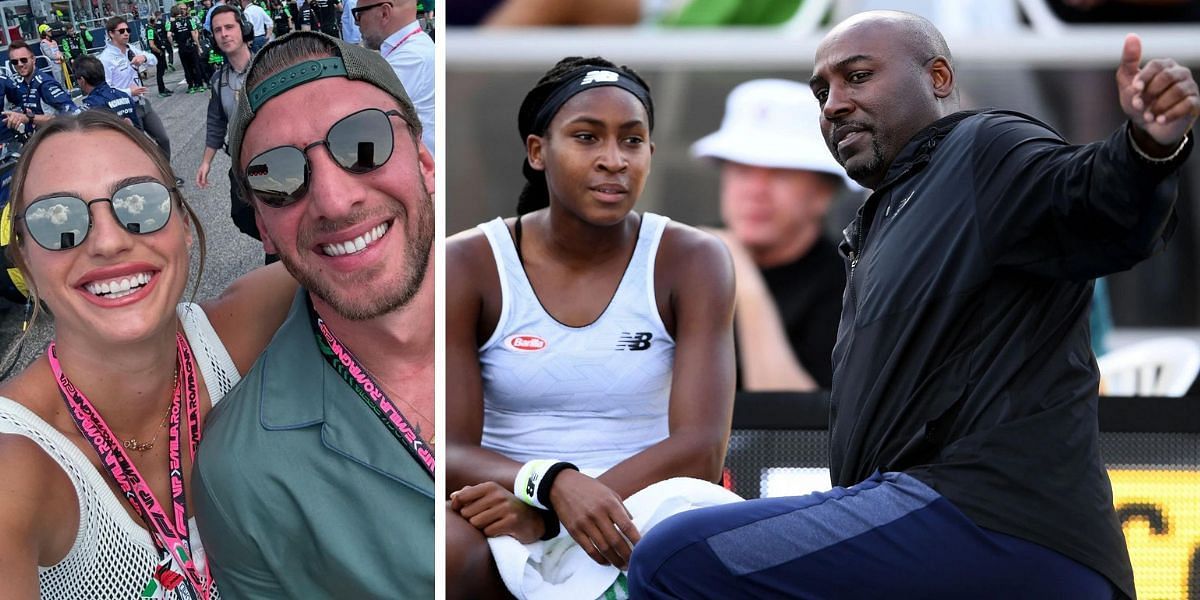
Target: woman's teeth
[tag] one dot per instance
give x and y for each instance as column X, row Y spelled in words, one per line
column 117, row 288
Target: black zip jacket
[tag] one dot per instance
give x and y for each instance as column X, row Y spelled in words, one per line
column 963, row 355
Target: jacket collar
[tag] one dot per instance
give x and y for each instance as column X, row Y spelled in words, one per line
column 912, row 158
column 111, row 48
column 300, row 389
column 919, row 149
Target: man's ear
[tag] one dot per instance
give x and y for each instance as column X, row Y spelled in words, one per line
column 428, row 168
column 941, row 74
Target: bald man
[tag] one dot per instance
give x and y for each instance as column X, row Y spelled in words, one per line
column 964, row 436
column 391, row 27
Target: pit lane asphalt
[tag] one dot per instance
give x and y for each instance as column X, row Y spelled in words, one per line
column 230, row 253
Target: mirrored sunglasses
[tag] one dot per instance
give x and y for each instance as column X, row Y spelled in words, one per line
column 359, row 143
column 63, row 222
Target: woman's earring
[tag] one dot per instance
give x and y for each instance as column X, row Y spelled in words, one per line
column 28, row 313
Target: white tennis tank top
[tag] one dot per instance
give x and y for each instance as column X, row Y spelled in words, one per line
column 591, row 395
column 113, row 556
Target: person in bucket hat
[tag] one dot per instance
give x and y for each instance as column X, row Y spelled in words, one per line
column 777, row 184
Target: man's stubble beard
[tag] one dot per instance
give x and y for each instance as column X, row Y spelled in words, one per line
column 869, row 170
column 416, row 264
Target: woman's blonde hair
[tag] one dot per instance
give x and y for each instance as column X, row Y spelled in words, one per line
column 91, row 120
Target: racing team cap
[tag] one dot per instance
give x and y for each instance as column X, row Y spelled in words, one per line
column 349, row 61
column 772, row 123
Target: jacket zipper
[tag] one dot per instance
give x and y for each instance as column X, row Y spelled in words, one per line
column 856, row 254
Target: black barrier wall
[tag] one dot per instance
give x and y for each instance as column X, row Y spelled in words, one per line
column 780, row 446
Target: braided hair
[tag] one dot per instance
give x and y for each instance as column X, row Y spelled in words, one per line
column 536, row 194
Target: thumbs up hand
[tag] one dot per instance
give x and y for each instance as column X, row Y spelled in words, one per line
column 1160, row 98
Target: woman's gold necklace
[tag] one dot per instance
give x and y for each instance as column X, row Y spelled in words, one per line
column 136, row 446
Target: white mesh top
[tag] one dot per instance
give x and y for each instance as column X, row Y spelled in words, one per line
column 113, row 555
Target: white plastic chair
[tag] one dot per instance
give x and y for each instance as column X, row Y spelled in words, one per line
column 1158, row 367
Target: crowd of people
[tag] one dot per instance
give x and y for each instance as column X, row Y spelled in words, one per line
column 214, row 60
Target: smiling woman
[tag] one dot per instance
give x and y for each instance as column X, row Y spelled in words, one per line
column 87, row 509
column 580, row 320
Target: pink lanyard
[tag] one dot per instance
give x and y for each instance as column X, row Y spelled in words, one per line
column 402, row 40
column 171, row 538
column 364, row 385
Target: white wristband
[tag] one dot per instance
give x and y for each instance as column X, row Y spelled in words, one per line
column 525, row 486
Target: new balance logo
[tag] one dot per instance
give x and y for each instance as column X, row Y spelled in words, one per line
column 599, row 77
column 634, row 341
column 531, row 485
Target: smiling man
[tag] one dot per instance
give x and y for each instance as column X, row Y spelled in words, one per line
column 315, row 479
column 35, row 88
column 963, row 431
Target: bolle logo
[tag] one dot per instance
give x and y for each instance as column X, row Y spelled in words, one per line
column 525, row 342
column 634, row 341
column 599, row 77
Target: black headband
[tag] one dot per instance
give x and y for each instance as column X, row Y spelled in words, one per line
column 585, row 78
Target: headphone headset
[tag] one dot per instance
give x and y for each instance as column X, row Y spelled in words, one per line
column 247, row 28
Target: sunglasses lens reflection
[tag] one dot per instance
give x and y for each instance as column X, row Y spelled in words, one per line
column 142, row 207
column 57, row 223
column 362, row 142
column 277, row 176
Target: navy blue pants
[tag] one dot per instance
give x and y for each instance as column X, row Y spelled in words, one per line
column 890, row 536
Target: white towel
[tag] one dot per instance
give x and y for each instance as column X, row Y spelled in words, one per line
column 559, row 568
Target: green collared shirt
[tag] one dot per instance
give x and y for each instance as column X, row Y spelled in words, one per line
column 300, row 490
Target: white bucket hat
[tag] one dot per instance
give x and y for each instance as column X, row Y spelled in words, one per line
column 772, row 123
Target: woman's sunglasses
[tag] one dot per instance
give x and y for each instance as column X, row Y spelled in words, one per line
column 63, row 222
column 359, row 143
